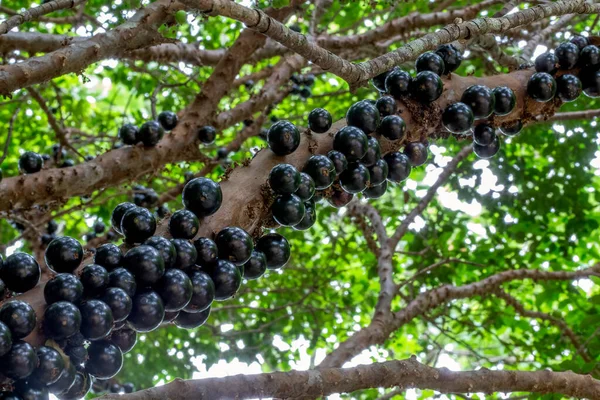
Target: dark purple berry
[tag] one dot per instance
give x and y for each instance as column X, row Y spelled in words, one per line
column 165, row 248
column 284, row 179
column 484, row 134
column 117, row 215
column 283, row 138
column 51, row 365
column 451, row 56
column 202, row 196
column 542, row 86
column 505, row 100
column 183, row 224
column 105, row 359
column 416, row 153
column 378, row 172
column 352, row 142
column 150, row 133
column 19, row 317
column 376, row 191
column 109, row 256
column 590, row 81
column 175, row 288
column 480, row 100
column 79, row 389
column 186, row 253
column 397, row 83
column 512, row 128
column 256, row 266
column 5, row 339
column 123, row 279
column 203, row 291
column 310, row 217
column 487, row 151
column 30, row 162
column 306, row 190
column 119, row 302
column 322, row 171
column 235, row 245
column 398, row 166
column 227, row 279
column 546, row 62
column 355, row 179
column 128, row 134
column 207, row 252
column 392, row 127
column 288, row 210
column 124, row 338
column 430, row 61
column 580, row 41
column 145, row 263
column 589, row 57
column 339, row 160
column 386, row 105
column 147, row 312
column 567, row 54
column 191, row 321
column 276, row 248
column 61, row 320
column 94, row 279
column 426, row 87
column 20, row 361
column 168, row 120
column 568, row 87
column 138, row 224
column 364, row 116
column 207, row 134
column 457, row 118
column 319, row 120
column 20, row 272
column 373, row 153
column 96, row 319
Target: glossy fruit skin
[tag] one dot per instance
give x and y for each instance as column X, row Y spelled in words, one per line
column 306, row 189
column 20, row 272
column 186, row 253
column 202, row 196
column 589, row 57
column 378, row 81
column 51, row 365
column 124, row 339
column 451, row 56
column 235, row 245
column 364, row 116
column 352, row 142
column 30, row 390
column 5, row 339
column 96, row 319
column 145, row 263
column 310, row 217
column 109, row 256
column 284, row 179
column 322, row 171
column 378, row 172
column 94, row 279
column 64, row 382
column 397, row 83
column 19, row 317
column 457, row 118
column 128, row 134
column 63, row 254
column 175, row 288
column 398, row 166
column 579, row 41
column 183, row 224
column 276, row 248
column 203, row 291
column 339, row 198
column 79, row 389
column 426, row 87
column 546, row 62
column 30, row 162
column 61, row 320
column 105, row 359
column 568, row 87
column 430, row 61
column 392, row 127
column 20, row 361
column 375, row 191
column 319, row 120
column 138, row 224
column 117, row 215
column 191, row 321
column 150, row 133
column 487, row 151
column 541, row 87
column 512, row 129
column 417, row 153
column 567, row 54
column 123, row 279
column 355, row 179
column 168, row 120
column 386, row 105
column 480, row 100
column 590, row 80
column 147, row 313
column 165, row 248
column 227, row 279
column 484, row 134
column 373, row 153
column 207, row 134
column 283, row 138
column 206, row 251
column 119, row 302
column 339, row 160
column 288, row 210
column 256, row 266
column 505, row 100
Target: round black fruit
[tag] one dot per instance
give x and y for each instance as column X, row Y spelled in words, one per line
column 505, row 100
column 484, row 134
column 30, row 162
column 288, row 210
column 480, row 100
column 19, row 317
column 63, row 254
column 96, row 319
column 147, row 312
column 375, row 191
column 105, row 359
column 175, row 288
column 207, row 252
column 426, row 87
column 379, row 80
column 183, row 224
column 398, row 166
column 590, row 80
column 66, row 379
column 128, row 134
column 373, row 153
column 364, row 116
column 568, row 87
column 191, row 321
column 51, row 365
column 355, row 179
column 5, row 339
column 416, row 153
column 567, row 54
column 579, row 41
column 322, row 171
column 227, row 279
column 145, row 263
column 451, row 56
column 119, row 302
column 30, row 390
column 138, row 224
column 124, row 339
column 168, row 120
column 150, row 133
column 109, row 256
column 123, row 279
column 386, row 105
column 457, row 118
column 186, row 253
column 202, row 196
column 256, row 266
column 20, row 272
column 203, row 291
column 589, row 57
column 319, row 120
column 94, row 279
column 306, row 190
column 20, row 361
column 487, row 151
column 546, row 62
column 352, row 142
column 235, row 245
column 378, row 172
column 541, row 86
column 284, row 179
column 310, row 217
column 392, row 127
column 339, row 198
column 117, row 215
column 207, row 134
column 79, row 389
column 397, row 83
column 165, row 248
column 61, row 320
column 339, row 160
column 512, row 128
column 276, row 248
column 430, row 61
column 283, row 138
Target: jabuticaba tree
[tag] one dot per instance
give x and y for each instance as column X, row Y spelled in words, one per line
column 407, row 192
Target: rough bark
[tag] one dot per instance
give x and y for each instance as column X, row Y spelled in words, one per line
column 36, row 12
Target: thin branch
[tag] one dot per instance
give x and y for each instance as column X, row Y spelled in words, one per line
column 572, row 115
column 35, row 12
